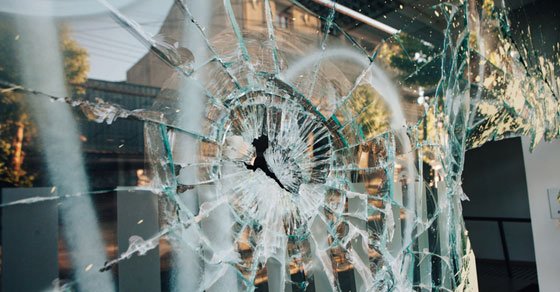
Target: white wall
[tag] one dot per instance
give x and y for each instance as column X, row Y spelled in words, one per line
column 542, row 168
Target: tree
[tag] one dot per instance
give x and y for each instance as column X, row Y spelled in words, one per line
column 370, row 111
column 413, row 61
column 76, row 60
column 17, row 130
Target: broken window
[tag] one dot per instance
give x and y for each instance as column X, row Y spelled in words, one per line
column 291, row 146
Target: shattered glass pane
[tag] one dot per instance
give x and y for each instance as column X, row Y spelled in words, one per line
column 288, row 152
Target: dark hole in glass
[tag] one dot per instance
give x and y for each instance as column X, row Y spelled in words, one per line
column 261, row 144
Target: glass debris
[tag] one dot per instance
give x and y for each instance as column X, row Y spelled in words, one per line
column 286, row 151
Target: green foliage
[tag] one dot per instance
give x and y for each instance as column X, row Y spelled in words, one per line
column 8, row 58
column 17, row 131
column 76, row 61
column 413, row 61
column 373, row 115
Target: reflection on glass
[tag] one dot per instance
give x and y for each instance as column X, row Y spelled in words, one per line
column 289, row 146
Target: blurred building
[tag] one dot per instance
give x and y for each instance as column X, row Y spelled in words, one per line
column 114, row 154
column 151, row 71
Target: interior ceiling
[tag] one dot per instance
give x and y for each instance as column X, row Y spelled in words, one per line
column 371, row 8
column 411, row 16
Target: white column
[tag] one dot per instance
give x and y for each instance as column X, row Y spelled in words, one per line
column 542, row 168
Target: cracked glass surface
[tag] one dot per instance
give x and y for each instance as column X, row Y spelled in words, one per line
column 287, row 154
